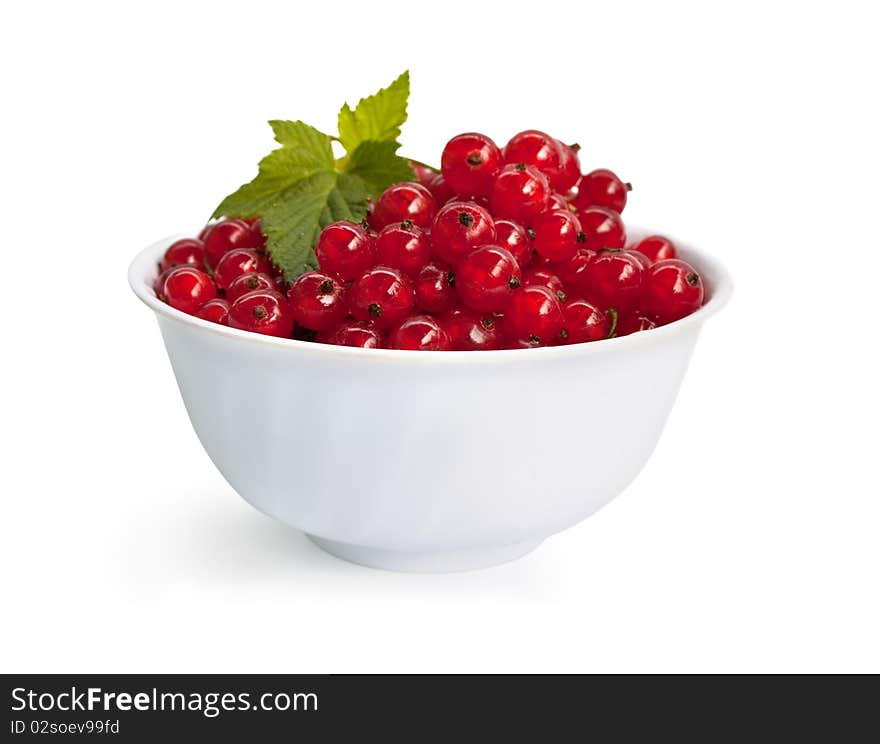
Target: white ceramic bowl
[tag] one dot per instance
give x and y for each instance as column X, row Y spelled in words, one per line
column 426, row 461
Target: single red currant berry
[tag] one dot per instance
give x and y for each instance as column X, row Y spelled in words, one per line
column 640, row 257
column 435, row 289
column 187, row 288
column 262, row 311
column 318, row 301
column 536, row 149
column 404, row 201
column 186, row 251
column 404, row 246
column 221, row 237
column 545, row 277
column 575, row 272
column 419, row 333
column 602, row 227
column 356, row 333
column 215, row 311
column 633, row 322
column 459, row 227
column 569, row 169
column 470, row 331
column 533, row 313
column 469, row 163
column 486, row 279
column 601, row 188
column 440, row 190
column 519, row 192
column 382, row 295
column 512, row 236
column 558, row 235
column 159, row 283
column 424, row 173
column 656, row 248
column 245, row 283
column 583, row 322
column 345, row 250
column 673, row 289
column 615, row 280
column 239, row 261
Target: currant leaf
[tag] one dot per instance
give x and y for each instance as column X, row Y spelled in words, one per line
column 377, row 117
column 379, row 165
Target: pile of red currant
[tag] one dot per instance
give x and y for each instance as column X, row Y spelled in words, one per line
column 504, row 248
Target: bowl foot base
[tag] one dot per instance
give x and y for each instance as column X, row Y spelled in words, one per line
column 465, row 559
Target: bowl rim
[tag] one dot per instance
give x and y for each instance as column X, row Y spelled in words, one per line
column 144, row 268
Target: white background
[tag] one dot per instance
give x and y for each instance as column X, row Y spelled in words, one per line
column 749, row 542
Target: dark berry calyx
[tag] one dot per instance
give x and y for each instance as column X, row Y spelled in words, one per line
column 612, row 324
column 581, row 237
column 561, row 296
column 450, row 277
column 563, row 334
column 407, row 224
column 326, row 287
column 520, row 166
column 474, row 159
column 575, row 146
column 466, row 219
column 693, row 279
column 488, row 322
column 531, row 233
column 628, row 186
column 534, row 340
column 375, row 310
column 260, row 312
column 514, row 283
column 252, row 282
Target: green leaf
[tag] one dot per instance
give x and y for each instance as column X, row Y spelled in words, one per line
column 292, row 223
column 304, row 152
column 377, row 117
column 379, row 165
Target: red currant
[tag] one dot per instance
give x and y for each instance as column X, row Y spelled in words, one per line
column 545, row 277
column 602, row 227
column 404, row 201
column 534, row 315
column 536, row 149
column 215, row 311
column 345, row 250
column 569, row 169
column 382, row 295
column 440, row 190
column 458, row 228
column 318, row 301
column 557, row 235
column 469, row 163
column 575, row 272
column 245, row 283
column 262, row 311
column 185, row 251
column 221, row 237
column 601, row 188
column 640, row 257
column 514, row 237
column 239, row 261
column 470, row 331
column 187, row 288
column 257, row 229
column 633, row 322
column 486, row 278
column 519, row 192
column 403, row 246
column 673, row 289
column 615, row 280
column 424, row 173
column 435, row 289
column 583, row 322
column 354, row 333
column 656, row 248
column 419, row 333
